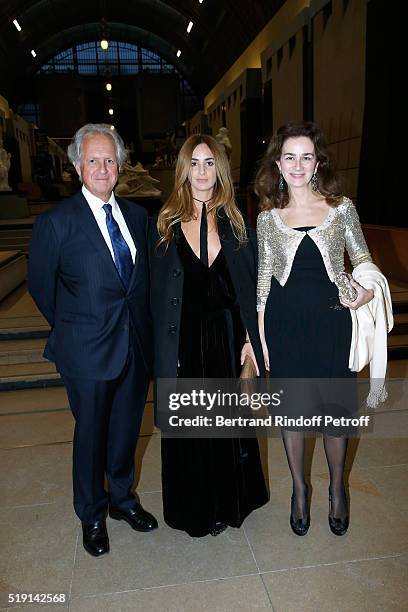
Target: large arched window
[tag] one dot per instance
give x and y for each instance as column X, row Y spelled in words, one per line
column 119, row 58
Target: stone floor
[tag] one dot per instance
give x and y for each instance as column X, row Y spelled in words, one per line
column 262, row 566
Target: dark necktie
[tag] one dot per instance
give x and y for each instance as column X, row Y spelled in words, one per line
column 122, row 255
column 204, row 236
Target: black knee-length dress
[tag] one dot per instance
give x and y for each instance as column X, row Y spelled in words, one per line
column 308, row 334
column 206, row 481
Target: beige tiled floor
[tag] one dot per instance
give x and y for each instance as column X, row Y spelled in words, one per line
column 262, row 566
column 375, row 585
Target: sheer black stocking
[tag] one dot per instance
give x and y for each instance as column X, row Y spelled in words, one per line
column 294, row 443
column 336, row 450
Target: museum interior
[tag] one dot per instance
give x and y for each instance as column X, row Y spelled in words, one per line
column 158, row 71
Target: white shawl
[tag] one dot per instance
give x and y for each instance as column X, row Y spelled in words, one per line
column 371, row 323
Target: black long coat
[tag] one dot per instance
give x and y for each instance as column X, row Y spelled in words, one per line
column 166, row 291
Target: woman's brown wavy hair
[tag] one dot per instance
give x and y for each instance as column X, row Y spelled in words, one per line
column 267, row 178
column 180, row 206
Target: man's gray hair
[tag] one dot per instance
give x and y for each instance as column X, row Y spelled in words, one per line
column 75, row 148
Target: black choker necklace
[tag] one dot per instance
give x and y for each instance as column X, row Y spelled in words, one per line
column 202, row 201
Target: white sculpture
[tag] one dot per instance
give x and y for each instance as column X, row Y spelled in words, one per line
column 136, row 181
column 4, row 168
column 166, row 152
column 223, row 139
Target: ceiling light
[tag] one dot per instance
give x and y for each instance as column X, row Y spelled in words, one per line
column 33, row 53
column 200, row 1
column 110, row 111
column 18, row 26
column 178, row 53
column 112, row 127
column 104, row 44
column 108, row 87
column 189, row 27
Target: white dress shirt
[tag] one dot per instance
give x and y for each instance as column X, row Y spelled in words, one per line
column 96, row 206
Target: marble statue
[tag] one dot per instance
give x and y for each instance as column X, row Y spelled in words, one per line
column 166, row 152
column 136, row 181
column 223, row 139
column 4, row 167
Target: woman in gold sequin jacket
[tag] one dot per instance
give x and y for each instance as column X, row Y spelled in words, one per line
column 305, row 324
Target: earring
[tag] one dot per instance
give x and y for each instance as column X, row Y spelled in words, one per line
column 280, row 184
column 314, row 182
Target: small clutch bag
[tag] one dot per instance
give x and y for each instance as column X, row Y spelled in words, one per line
column 346, row 289
column 248, row 369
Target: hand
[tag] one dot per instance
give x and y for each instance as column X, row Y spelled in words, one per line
column 261, row 326
column 247, row 350
column 363, row 296
column 265, row 354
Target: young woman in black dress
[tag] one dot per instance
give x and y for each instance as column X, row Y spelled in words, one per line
column 203, row 301
column 302, row 232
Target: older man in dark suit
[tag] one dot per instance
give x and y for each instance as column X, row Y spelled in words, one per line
column 88, row 274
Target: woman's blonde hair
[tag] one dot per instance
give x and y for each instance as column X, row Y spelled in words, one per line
column 180, row 205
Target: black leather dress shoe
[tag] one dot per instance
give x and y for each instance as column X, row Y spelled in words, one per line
column 95, row 538
column 137, row 518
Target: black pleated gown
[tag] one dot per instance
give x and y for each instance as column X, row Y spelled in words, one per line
column 206, row 481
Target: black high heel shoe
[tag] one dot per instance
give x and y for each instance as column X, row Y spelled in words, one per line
column 338, row 526
column 300, row 526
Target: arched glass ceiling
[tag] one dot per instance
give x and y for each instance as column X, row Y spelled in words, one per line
column 120, row 58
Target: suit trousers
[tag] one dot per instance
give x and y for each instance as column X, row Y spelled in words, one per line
column 108, row 415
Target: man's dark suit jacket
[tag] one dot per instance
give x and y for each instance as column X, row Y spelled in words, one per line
column 74, row 281
column 166, row 270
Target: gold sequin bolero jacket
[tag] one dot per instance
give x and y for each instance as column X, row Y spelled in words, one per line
column 278, row 243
